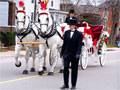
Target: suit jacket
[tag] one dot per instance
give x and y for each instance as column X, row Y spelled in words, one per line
column 72, row 46
column 67, row 20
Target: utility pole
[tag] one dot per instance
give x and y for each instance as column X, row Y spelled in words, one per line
column 35, row 7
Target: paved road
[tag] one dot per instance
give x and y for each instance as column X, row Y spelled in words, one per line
column 93, row 78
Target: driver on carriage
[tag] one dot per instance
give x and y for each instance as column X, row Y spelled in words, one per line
column 71, row 16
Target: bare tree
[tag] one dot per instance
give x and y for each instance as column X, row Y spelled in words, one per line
column 115, row 8
column 68, row 4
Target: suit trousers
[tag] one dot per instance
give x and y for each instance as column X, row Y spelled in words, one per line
column 74, row 71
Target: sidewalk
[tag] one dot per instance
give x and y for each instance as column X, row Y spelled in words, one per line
column 113, row 49
column 22, row 53
column 11, row 54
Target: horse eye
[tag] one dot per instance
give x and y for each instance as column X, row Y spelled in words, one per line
column 24, row 17
column 16, row 17
column 47, row 19
column 38, row 20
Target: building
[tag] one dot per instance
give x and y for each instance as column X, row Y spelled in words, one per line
column 7, row 12
column 106, row 15
column 54, row 9
column 7, row 15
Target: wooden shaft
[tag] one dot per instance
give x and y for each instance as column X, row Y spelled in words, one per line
column 33, row 46
column 30, row 43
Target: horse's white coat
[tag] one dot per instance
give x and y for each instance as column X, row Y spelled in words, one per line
column 29, row 38
column 54, row 42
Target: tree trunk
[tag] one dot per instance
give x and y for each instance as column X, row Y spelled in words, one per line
column 115, row 22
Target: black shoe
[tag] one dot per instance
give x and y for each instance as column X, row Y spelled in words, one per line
column 64, row 87
column 73, row 88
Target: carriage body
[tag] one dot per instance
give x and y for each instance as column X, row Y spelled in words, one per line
column 94, row 43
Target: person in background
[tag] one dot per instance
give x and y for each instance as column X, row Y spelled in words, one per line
column 70, row 52
column 71, row 16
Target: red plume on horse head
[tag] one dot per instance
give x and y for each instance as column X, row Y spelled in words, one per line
column 21, row 4
column 44, row 4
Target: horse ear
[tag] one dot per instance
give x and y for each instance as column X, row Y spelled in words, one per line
column 23, row 7
column 47, row 9
column 16, row 8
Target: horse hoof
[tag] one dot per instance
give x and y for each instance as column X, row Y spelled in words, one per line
column 25, row 72
column 44, row 68
column 18, row 65
column 51, row 73
column 41, row 72
column 32, row 70
column 61, row 71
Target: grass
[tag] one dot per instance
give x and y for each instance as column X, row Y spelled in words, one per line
column 12, row 48
column 3, row 50
column 111, row 46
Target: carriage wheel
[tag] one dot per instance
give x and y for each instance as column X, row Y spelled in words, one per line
column 102, row 57
column 84, row 58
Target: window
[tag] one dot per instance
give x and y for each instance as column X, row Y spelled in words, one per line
column 32, row 16
column 32, row 1
column 52, row 3
column 4, row 9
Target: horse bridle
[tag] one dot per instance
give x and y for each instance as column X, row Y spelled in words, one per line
column 21, row 11
column 44, row 13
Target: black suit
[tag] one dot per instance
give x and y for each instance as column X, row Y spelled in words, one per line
column 67, row 20
column 71, row 50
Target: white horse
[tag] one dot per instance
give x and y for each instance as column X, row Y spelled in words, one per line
column 52, row 35
column 24, row 33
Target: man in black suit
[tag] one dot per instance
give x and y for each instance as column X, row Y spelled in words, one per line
column 70, row 52
column 71, row 16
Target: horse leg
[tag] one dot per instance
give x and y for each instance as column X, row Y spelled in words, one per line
column 17, row 51
column 33, row 64
column 44, row 63
column 41, row 59
column 25, row 71
column 54, row 55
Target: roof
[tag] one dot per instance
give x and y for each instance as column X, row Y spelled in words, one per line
column 57, row 11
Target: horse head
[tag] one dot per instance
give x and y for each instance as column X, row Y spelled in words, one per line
column 45, row 21
column 20, row 17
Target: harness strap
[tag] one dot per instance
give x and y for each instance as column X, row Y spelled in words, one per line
column 58, row 32
column 20, row 40
column 35, row 34
column 59, row 35
column 23, row 34
column 47, row 43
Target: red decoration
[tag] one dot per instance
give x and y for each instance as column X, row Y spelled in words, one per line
column 21, row 11
column 63, row 28
column 43, row 6
column 21, row 4
column 43, row 13
column 88, row 31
